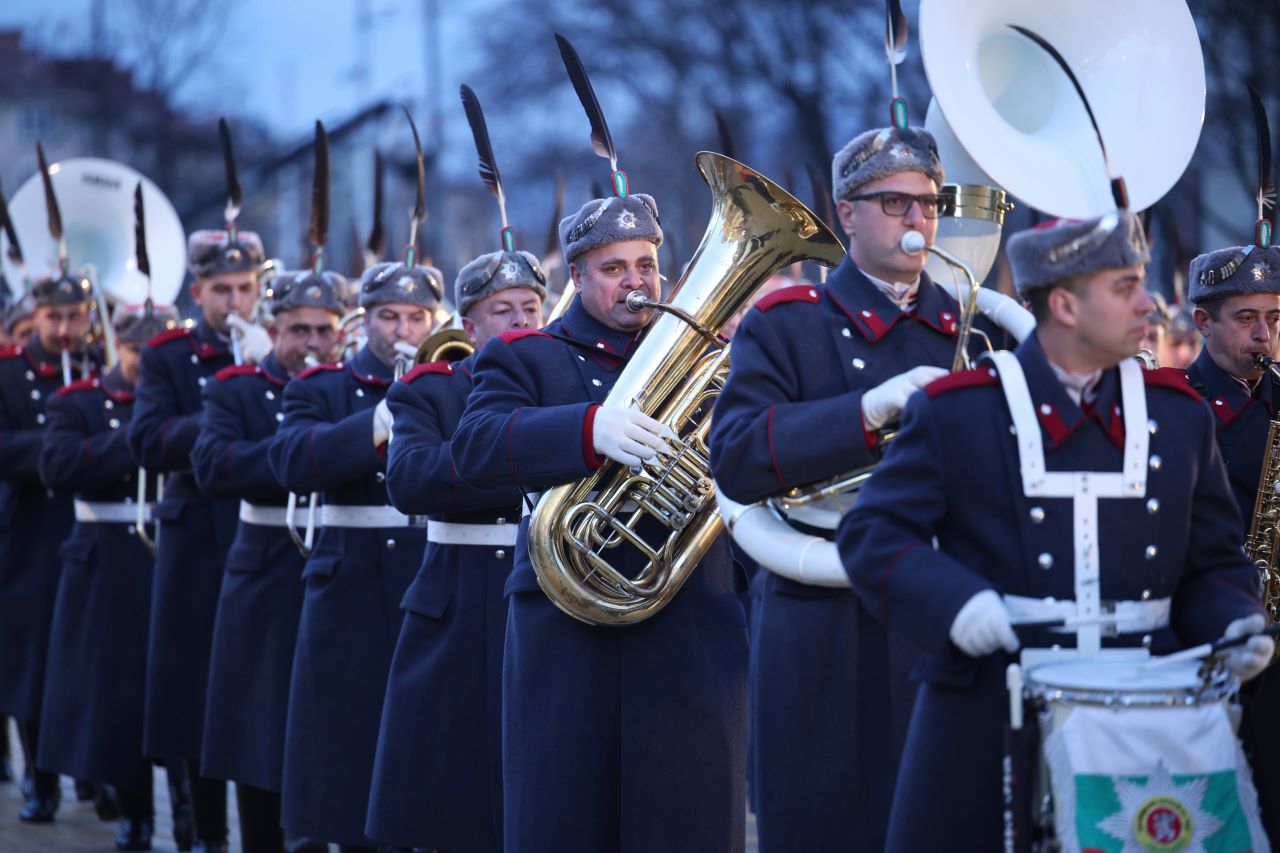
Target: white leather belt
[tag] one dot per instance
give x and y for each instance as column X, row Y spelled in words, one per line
column 110, row 512
column 492, row 535
column 340, row 515
column 263, row 516
column 1115, row 617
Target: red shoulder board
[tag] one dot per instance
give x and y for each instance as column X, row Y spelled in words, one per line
column 443, row 367
column 320, row 368
column 10, row 352
column 798, row 293
column 169, row 335
column 964, row 379
column 237, row 370
column 82, row 385
column 1173, row 378
column 512, row 335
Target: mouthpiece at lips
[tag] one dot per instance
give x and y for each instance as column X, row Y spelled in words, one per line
column 637, row 301
column 913, row 243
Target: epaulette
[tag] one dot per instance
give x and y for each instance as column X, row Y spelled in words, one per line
column 798, row 293
column 443, row 367
column 169, row 335
column 513, row 335
column 321, row 368
column 237, row 370
column 82, row 385
column 10, row 352
column 964, row 379
column 1173, row 378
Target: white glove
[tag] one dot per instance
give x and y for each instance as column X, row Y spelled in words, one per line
column 1252, row 658
column 884, row 402
column 628, row 436
column 381, row 424
column 983, row 625
column 255, row 343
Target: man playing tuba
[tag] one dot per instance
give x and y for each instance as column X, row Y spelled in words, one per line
column 616, row 739
column 816, row 373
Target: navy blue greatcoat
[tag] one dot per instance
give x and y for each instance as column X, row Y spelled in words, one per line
column 34, row 522
column 261, row 597
column 1243, row 418
column 622, row 739
column 195, row 532
column 437, row 782
column 355, row 580
column 830, row 691
column 953, row 473
column 97, row 668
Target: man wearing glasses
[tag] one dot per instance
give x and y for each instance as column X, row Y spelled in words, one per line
column 818, row 373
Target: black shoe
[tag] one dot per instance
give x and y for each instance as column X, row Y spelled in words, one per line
column 105, row 804
column 305, row 845
column 205, row 846
column 40, row 808
column 85, row 790
column 134, row 833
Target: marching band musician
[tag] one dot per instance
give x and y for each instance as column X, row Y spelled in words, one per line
column 34, row 519
column 1238, row 315
column 333, row 440
column 438, row 777
column 806, row 358
column 261, row 597
column 629, row 738
column 98, row 648
column 195, row 531
column 1167, row 537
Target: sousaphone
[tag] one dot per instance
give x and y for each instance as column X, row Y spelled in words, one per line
column 96, row 200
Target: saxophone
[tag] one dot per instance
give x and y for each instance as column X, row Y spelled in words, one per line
column 674, row 376
column 1264, row 530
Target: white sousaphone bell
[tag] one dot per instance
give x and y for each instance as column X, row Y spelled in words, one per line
column 1007, row 119
column 96, row 200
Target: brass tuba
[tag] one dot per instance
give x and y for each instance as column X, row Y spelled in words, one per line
column 756, row 229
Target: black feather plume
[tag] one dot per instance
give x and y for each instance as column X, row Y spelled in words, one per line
column 601, row 141
column 727, row 148
column 484, row 149
column 51, row 205
column 14, row 250
column 895, row 33
column 1118, row 192
column 318, row 233
column 1266, row 190
column 377, row 245
column 229, row 162
column 419, row 213
column 140, row 236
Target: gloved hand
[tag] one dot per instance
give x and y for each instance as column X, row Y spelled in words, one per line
column 1252, row 658
column 255, row 343
column 381, row 424
column 884, row 402
column 983, row 625
column 628, row 436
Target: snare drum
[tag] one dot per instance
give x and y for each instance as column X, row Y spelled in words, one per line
column 1135, row 757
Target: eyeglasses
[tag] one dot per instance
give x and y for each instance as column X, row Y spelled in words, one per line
column 897, row 204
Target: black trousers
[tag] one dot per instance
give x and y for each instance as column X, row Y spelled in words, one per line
column 260, row 830
column 208, row 804
column 39, row 783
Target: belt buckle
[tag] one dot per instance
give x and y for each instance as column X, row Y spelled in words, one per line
column 418, row 521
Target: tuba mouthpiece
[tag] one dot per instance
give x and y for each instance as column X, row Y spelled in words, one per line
column 913, row 243
column 637, row 301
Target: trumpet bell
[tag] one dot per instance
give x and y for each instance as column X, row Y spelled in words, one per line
column 96, row 198
column 1016, row 113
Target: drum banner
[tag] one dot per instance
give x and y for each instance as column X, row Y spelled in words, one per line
column 1135, row 780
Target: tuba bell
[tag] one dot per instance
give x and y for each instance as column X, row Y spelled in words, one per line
column 756, row 228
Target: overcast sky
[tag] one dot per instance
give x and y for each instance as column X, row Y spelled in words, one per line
column 287, row 62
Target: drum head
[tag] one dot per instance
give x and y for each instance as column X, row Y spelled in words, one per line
column 1125, row 681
